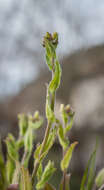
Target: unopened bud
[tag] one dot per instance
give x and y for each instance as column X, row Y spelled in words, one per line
column 36, row 115
column 55, row 36
column 69, row 110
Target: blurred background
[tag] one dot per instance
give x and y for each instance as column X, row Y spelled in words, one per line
column 23, row 73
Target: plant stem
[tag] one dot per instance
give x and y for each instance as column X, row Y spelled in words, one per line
column 64, row 181
column 24, row 157
column 52, row 103
column 36, row 165
column 64, row 173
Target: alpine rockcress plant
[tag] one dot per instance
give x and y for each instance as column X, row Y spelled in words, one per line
column 14, row 175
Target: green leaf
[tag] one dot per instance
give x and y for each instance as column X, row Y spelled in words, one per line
column 48, row 145
column 25, row 181
column 20, row 143
column 100, row 178
column 69, row 125
column 63, row 141
column 40, row 171
column 10, row 168
column 49, row 112
column 28, row 140
column 16, row 174
column 23, row 123
column 28, row 145
column 89, row 173
column 50, row 140
column 48, row 61
column 54, row 84
column 48, row 172
column 37, row 151
column 26, row 160
column 12, row 147
column 68, row 155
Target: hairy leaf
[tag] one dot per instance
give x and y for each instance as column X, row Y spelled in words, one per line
column 66, row 160
column 12, row 147
column 49, row 112
column 48, row 61
column 10, row 168
column 100, row 178
column 69, row 125
column 28, row 140
column 37, row 151
column 17, row 173
column 23, row 123
column 49, row 143
column 40, row 171
column 63, row 141
column 48, row 171
column 50, row 140
column 54, row 84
